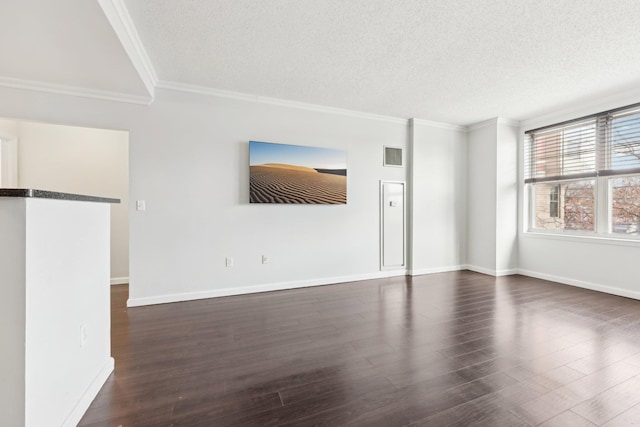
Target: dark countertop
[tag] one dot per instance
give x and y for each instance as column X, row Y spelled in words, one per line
column 42, row 194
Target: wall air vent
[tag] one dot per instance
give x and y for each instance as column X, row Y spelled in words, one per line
column 393, row 157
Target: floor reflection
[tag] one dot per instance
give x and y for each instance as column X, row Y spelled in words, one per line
column 443, row 349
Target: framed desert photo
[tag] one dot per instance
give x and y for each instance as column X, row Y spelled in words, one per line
column 282, row 173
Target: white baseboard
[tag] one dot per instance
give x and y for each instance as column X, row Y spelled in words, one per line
column 188, row 296
column 267, row 287
column 434, row 270
column 582, row 284
column 87, row 397
column 119, row 280
column 496, row 273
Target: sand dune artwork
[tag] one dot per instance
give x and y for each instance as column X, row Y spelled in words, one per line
column 294, row 174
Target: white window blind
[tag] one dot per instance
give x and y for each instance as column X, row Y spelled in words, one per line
column 603, row 144
column 620, row 153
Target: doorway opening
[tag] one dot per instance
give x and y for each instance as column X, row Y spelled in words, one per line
column 71, row 159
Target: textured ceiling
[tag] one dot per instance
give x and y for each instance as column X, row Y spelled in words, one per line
column 458, row 62
column 64, row 43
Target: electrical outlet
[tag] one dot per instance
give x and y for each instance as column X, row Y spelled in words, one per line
column 265, row 259
column 228, row 261
column 83, row 335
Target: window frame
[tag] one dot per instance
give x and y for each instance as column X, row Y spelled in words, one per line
column 531, row 198
column 603, row 183
column 609, row 189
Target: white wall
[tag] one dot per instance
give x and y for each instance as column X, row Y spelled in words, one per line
column 83, row 161
column 481, row 200
column 438, row 194
column 594, row 264
column 189, row 162
column 507, row 186
column 67, row 284
column 12, row 310
column 492, row 197
column 602, row 264
column 55, row 278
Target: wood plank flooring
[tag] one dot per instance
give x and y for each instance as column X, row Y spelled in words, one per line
column 451, row 349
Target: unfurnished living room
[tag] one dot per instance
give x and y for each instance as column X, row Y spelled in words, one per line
column 319, row 212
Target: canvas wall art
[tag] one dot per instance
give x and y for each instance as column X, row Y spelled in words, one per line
column 282, row 173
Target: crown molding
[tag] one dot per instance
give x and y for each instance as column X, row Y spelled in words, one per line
column 201, row 90
column 494, row 121
column 73, row 91
column 118, row 16
column 584, row 108
column 441, row 125
column 483, row 124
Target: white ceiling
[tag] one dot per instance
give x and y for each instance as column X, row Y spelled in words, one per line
column 458, row 62
column 64, row 43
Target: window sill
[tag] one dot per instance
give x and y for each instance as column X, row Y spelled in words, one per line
column 582, row 238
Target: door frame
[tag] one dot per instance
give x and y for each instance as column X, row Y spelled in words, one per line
column 8, row 161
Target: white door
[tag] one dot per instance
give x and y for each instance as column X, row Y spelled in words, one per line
column 392, row 233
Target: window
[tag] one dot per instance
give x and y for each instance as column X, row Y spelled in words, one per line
column 625, row 205
column 584, row 175
column 574, row 208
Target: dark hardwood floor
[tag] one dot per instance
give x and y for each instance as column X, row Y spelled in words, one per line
column 452, row 349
